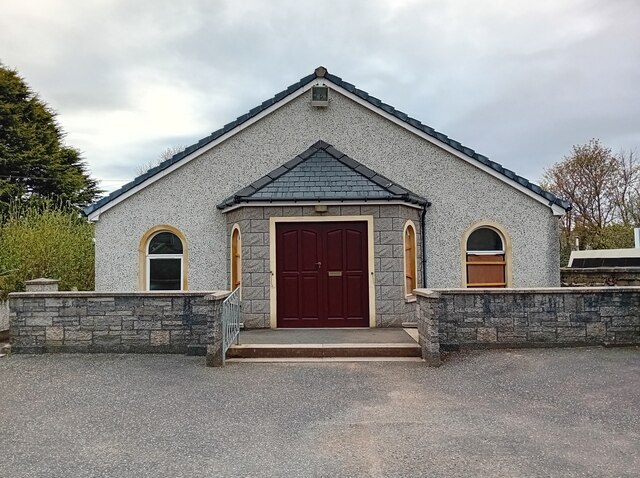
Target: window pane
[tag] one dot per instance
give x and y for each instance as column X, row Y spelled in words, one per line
column 484, row 239
column 165, row 243
column 164, row 274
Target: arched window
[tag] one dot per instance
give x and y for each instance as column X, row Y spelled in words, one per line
column 164, row 261
column 410, row 259
column 486, row 258
column 236, row 258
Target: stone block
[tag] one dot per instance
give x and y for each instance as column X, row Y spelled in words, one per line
column 254, row 239
column 390, row 264
column 39, row 321
column 107, row 341
column 269, row 212
column 390, row 237
column 384, row 250
column 384, row 278
column 569, row 333
column 384, row 306
column 350, row 210
column 487, row 334
column 390, row 211
column 160, row 337
column 501, row 323
column 259, row 252
column 370, row 211
column 253, row 265
column 258, row 225
column 467, row 334
column 383, row 224
column 147, row 324
column 55, row 333
column 289, row 211
column 598, row 330
column 259, row 306
column 71, row 336
column 253, row 293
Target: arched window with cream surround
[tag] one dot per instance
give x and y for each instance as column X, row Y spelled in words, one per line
column 164, row 266
column 236, row 258
column 486, row 258
column 410, row 259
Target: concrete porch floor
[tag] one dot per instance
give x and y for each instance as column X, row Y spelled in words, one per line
column 326, row 344
column 328, row 336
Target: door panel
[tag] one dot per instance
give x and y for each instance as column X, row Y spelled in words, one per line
column 322, row 274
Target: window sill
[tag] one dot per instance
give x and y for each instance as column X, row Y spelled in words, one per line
column 410, row 298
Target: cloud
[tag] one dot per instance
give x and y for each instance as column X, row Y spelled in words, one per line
column 519, row 82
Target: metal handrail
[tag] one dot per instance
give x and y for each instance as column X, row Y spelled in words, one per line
column 230, row 321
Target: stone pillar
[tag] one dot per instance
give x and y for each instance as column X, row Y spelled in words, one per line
column 428, row 326
column 41, row 285
column 215, row 354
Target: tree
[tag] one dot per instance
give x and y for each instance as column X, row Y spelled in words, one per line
column 168, row 153
column 604, row 190
column 34, row 161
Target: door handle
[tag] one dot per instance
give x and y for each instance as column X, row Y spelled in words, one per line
column 318, row 265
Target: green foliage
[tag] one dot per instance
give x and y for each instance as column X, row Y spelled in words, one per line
column 34, row 162
column 45, row 240
column 604, row 190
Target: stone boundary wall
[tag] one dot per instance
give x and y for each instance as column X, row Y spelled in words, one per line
column 600, row 276
column 483, row 318
column 143, row 322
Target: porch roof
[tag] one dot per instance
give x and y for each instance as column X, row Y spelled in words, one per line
column 322, row 173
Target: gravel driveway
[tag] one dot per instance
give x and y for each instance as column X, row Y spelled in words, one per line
column 551, row 412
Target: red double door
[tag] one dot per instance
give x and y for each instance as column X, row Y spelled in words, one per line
column 322, row 274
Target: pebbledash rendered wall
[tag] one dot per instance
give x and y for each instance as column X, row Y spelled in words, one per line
column 391, row 307
column 484, row 318
column 150, row 322
column 460, row 193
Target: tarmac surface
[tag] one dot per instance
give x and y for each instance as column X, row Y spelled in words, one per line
column 504, row 413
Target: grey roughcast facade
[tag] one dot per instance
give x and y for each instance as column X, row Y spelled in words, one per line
column 327, row 208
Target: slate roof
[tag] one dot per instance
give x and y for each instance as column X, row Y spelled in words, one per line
column 321, row 72
column 322, row 173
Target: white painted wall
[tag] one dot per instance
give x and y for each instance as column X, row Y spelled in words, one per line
column 460, row 193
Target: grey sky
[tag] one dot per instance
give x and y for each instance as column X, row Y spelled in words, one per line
column 520, row 82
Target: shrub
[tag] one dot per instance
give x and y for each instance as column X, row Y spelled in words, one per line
column 45, row 240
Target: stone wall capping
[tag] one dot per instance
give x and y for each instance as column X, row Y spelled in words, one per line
column 536, row 290
column 218, row 295
column 96, row 294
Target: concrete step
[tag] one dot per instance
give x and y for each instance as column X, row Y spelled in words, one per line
column 321, row 351
column 323, row 359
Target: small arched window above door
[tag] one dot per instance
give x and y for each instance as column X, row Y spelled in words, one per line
column 236, row 258
column 486, row 258
column 164, row 262
column 410, row 259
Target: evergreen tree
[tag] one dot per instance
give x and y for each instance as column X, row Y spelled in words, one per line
column 34, row 161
